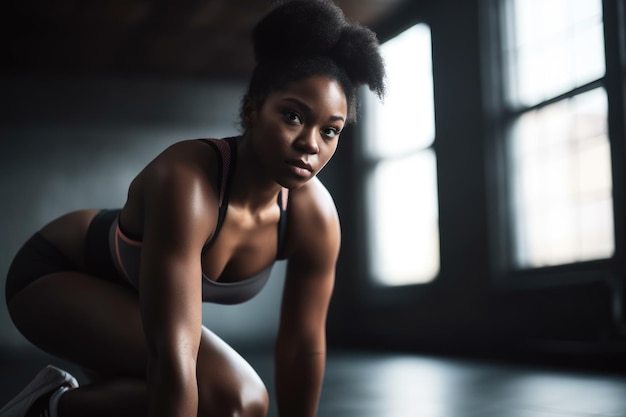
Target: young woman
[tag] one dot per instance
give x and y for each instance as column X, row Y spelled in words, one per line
column 119, row 292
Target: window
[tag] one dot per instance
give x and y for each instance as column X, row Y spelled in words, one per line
column 557, row 142
column 401, row 180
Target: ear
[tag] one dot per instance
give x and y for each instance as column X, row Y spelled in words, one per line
column 248, row 111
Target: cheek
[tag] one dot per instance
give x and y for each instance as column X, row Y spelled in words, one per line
column 277, row 131
column 329, row 151
column 270, row 134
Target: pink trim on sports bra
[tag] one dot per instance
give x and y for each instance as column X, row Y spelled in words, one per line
column 120, row 235
column 127, row 252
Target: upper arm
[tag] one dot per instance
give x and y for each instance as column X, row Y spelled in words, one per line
column 314, row 241
column 177, row 221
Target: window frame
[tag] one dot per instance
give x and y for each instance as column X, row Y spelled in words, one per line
column 368, row 161
column 499, row 115
column 369, row 291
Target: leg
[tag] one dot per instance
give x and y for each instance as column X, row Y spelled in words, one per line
column 92, row 323
column 97, row 325
column 227, row 384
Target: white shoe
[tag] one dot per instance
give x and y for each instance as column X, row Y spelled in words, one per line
column 47, row 380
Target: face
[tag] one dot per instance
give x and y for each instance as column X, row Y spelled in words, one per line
column 296, row 131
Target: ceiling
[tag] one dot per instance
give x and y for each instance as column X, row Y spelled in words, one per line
column 197, row 38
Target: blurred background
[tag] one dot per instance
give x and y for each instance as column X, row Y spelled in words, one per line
column 482, row 204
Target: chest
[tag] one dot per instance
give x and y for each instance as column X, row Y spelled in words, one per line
column 243, row 247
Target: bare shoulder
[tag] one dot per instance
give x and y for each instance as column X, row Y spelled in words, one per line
column 179, row 182
column 188, row 155
column 313, row 220
column 179, row 162
column 313, row 203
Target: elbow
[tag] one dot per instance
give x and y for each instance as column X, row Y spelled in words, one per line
column 172, row 385
column 173, row 349
column 176, row 365
column 313, row 344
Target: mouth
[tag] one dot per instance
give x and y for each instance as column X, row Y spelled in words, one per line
column 300, row 164
column 299, row 167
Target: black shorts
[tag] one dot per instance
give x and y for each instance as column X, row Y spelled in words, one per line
column 38, row 257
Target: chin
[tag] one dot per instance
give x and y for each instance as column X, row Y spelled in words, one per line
column 294, row 184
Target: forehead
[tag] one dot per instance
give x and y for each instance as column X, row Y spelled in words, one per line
column 321, row 94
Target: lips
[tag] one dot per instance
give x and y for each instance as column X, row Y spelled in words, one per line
column 298, row 163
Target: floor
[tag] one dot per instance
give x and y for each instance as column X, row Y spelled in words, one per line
column 360, row 384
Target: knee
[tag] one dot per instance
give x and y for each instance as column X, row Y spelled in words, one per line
column 233, row 398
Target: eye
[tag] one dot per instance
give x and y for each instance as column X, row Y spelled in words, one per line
column 292, row 117
column 330, row 132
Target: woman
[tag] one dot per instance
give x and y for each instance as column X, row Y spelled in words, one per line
column 119, row 292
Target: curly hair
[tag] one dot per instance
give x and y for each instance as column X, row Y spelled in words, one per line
column 298, row 39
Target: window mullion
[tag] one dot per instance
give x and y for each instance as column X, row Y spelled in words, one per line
column 513, row 113
column 556, row 141
column 615, row 44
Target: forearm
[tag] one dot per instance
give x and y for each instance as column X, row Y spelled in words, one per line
column 299, row 377
column 172, row 388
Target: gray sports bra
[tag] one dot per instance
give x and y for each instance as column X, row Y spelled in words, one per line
column 126, row 251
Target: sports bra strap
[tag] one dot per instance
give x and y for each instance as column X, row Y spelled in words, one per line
column 283, row 199
column 226, row 150
column 223, row 149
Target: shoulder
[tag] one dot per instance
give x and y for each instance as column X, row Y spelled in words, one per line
column 313, row 221
column 178, row 188
column 313, row 202
column 191, row 153
column 182, row 166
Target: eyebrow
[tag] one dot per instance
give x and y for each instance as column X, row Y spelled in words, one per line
column 307, row 109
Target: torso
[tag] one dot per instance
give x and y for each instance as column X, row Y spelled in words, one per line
column 244, row 247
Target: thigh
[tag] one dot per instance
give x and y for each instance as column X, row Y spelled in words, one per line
column 85, row 320
column 97, row 325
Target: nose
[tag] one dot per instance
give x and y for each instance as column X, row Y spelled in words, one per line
column 307, row 141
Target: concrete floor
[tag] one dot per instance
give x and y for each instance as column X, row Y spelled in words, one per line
column 360, row 384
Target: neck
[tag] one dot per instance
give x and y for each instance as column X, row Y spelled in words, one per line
column 251, row 187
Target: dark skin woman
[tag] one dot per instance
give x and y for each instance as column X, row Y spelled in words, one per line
column 141, row 340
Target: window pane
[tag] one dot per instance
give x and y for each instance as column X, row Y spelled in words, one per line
column 401, row 192
column 552, row 47
column 561, row 182
column 405, row 121
column 404, row 238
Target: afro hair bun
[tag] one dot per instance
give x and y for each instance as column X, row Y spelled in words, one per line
column 357, row 52
column 300, row 28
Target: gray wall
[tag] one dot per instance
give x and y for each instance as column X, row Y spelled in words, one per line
column 70, row 143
